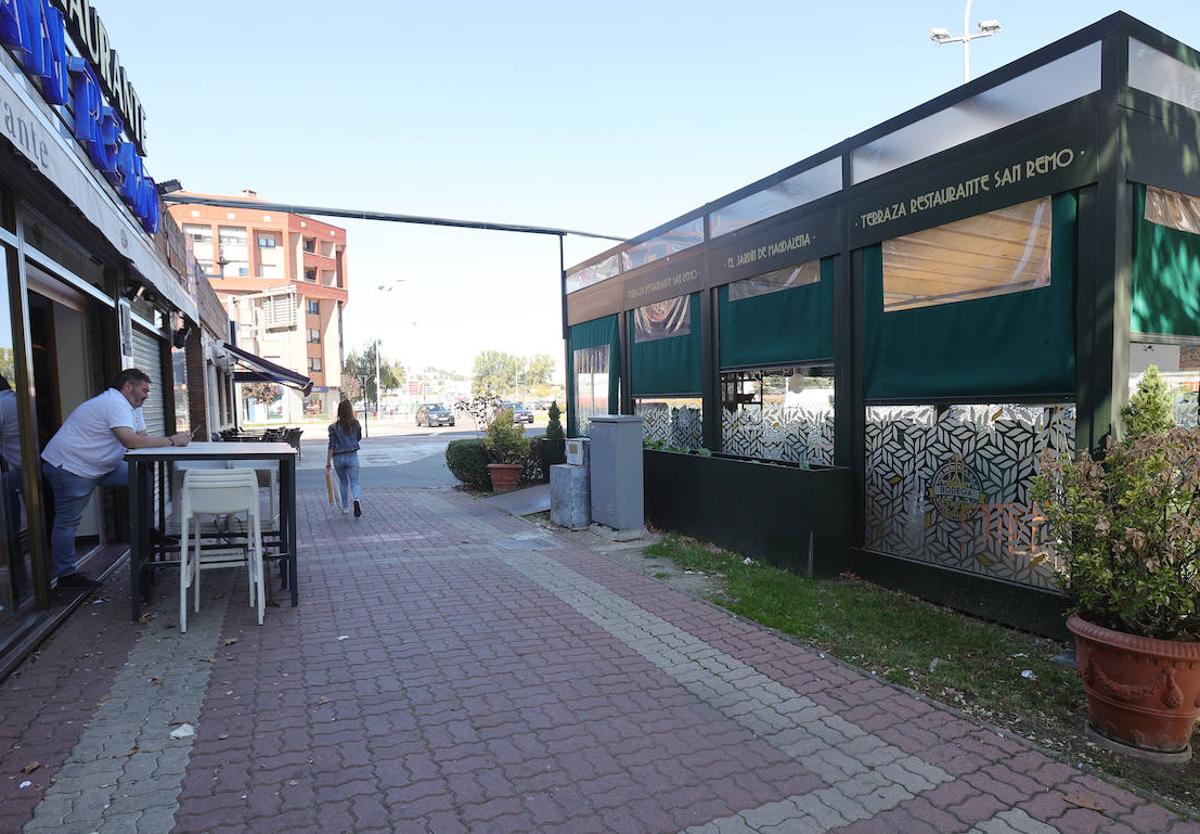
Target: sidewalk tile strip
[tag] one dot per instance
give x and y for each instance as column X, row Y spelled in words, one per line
column 125, row 771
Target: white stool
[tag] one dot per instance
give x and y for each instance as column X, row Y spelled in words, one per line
column 219, row 492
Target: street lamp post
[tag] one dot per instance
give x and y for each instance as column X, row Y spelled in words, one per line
column 377, row 379
column 987, row 28
column 366, row 432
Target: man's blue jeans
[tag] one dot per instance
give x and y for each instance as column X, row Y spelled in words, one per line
column 71, row 495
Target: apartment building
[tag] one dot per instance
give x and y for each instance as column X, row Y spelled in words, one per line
column 282, row 279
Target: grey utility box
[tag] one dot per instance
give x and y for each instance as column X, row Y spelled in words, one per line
column 616, row 463
column 570, row 497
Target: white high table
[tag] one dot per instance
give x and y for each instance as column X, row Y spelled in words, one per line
column 148, row 534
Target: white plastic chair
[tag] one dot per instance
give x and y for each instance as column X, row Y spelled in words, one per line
column 218, row 492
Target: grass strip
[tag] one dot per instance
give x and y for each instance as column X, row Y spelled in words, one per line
column 999, row 674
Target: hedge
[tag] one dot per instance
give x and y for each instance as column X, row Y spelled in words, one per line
column 467, row 461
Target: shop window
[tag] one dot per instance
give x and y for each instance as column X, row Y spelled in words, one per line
column 783, row 414
column 314, row 363
column 780, row 279
column 590, row 369
column 950, row 485
column 991, row 254
column 314, row 307
column 671, row 422
column 662, row 320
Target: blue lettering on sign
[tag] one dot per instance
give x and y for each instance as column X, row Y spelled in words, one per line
column 37, row 31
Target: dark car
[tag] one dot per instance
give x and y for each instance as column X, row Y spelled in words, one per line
column 434, row 414
column 520, row 413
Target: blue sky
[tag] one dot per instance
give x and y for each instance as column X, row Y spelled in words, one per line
column 612, row 117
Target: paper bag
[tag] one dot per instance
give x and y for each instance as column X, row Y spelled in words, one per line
column 329, row 484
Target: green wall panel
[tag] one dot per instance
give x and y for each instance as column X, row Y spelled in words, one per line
column 668, row 366
column 783, row 327
column 1166, row 276
column 1020, row 344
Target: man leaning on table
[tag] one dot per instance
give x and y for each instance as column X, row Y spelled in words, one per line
column 88, row 451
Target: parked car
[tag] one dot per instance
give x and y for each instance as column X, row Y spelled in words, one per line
column 434, row 414
column 520, row 413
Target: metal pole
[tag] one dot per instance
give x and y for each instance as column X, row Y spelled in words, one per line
column 967, row 42
column 366, row 426
column 376, row 379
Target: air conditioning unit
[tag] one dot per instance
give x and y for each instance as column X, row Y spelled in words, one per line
column 125, row 333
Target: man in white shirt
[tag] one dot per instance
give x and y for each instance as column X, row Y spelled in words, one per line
column 88, row 451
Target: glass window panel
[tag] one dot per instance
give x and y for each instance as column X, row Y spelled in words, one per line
column 781, row 414
column 1161, row 75
column 56, row 244
column 593, row 274
column 668, row 243
column 663, row 319
column 802, row 188
column 995, row 253
column 1179, row 366
column 1058, row 82
column 179, row 375
column 590, row 369
column 951, row 486
column 808, row 272
column 671, row 422
column 16, row 576
column 1172, row 209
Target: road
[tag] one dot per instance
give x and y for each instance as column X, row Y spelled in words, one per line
column 406, row 456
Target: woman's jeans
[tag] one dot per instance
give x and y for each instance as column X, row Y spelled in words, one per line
column 346, row 467
column 71, row 495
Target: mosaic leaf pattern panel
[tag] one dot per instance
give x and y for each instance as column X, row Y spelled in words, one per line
column 953, row 489
column 681, row 426
column 799, row 435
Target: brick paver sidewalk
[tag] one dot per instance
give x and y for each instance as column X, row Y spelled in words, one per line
column 452, row 669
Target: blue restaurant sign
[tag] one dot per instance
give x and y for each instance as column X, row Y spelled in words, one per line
column 102, row 106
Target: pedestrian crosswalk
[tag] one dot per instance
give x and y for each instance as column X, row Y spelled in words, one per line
column 378, row 454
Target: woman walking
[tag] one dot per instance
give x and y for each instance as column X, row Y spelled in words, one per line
column 344, row 437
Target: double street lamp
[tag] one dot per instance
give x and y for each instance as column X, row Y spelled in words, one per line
column 987, row 28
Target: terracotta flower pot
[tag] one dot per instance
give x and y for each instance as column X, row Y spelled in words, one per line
column 1142, row 693
column 504, row 476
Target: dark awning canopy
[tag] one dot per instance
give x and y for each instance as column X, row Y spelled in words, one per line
column 260, row 370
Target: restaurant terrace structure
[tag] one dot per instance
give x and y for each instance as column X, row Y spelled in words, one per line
column 877, row 342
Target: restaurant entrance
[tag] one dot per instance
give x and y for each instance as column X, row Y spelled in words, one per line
column 63, row 376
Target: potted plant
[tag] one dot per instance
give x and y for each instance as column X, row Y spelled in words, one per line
column 1127, row 537
column 507, row 447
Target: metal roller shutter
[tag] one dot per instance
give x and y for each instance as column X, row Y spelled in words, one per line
column 147, row 353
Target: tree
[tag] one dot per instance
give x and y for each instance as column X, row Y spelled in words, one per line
column 501, row 374
column 263, row 392
column 539, row 370
column 362, row 365
column 351, row 387
column 495, row 374
column 1150, row 408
